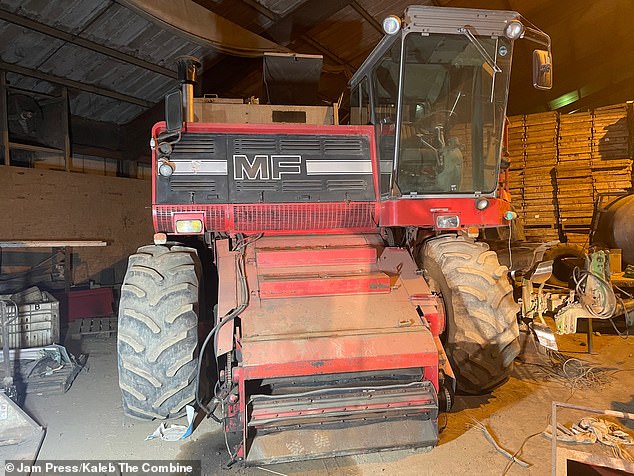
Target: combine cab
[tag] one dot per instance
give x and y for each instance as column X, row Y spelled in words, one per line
column 352, row 296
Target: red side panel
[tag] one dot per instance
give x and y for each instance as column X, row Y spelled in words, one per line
column 423, row 211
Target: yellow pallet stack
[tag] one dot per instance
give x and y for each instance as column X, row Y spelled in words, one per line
column 575, row 195
column 515, row 156
column 540, row 152
column 611, row 150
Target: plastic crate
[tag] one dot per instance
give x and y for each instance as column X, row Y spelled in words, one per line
column 37, row 323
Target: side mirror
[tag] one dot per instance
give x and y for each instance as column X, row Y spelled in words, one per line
column 542, row 69
column 174, row 111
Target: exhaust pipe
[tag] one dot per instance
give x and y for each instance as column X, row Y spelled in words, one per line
column 188, row 74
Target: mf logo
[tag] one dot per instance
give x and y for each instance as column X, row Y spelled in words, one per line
column 266, row 167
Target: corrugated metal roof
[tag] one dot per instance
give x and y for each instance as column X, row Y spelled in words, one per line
column 71, row 16
column 106, row 23
column 344, row 39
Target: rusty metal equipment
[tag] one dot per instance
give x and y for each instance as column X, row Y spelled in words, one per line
column 352, row 296
column 613, row 226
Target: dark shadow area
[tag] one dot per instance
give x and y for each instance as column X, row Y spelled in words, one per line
column 614, row 140
column 625, row 407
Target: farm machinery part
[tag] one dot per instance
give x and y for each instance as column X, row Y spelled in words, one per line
column 352, row 297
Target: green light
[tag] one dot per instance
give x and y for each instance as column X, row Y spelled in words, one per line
column 564, row 100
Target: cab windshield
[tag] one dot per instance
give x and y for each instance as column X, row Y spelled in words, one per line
column 453, row 99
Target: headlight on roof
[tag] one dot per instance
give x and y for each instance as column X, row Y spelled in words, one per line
column 391, row 24
column 514, row 30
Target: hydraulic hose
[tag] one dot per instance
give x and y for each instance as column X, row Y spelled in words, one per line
column 229, row 317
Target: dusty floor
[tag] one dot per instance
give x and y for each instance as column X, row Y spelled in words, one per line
column 87, row 421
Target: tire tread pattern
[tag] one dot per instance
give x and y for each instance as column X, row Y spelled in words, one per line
column 482, row 332
column 158, row 335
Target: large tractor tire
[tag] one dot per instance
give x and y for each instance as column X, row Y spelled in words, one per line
column 158, row 335
column 481, row 335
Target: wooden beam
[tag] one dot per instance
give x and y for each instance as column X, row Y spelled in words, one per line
column 50, row 244
column 204, row 27
column 35, row 148
column 66, row 130
column 366, row 15
column 325, row 51
column 84, row 43
column 102, row 152
column 4, row 118
column 72, row 84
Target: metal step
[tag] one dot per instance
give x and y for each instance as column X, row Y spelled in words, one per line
column 342, row 421
column 312, row 443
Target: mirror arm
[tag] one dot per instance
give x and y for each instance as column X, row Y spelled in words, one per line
column 537, row 36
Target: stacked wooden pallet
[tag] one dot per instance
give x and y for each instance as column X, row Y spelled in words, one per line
column 575, row 197
column 515, row 156
column 610, row 138
column 602, row 164
column 540, row 153
column 611, row 154
column 582, row 154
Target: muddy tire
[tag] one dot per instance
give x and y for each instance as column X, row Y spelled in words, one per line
column 158, row 338
column 481, row 336
column 565, row 257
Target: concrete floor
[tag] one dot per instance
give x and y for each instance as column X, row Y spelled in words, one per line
column 87, row 421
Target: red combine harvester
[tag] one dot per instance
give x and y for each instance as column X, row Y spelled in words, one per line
column 352, row 295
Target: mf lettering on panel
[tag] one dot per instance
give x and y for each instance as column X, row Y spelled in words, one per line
column 265, row 167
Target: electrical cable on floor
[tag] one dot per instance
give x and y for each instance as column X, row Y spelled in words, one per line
column 489, row 437
column 519, row 452
column 271, row 471
column 574, row 373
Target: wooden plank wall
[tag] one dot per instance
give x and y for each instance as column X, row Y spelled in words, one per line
column 52, row 205
column 561, row 163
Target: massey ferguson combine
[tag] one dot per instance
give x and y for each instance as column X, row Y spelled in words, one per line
column 352, row 296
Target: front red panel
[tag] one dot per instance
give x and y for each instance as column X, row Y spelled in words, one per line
column 275, row 217
column 308, row 213
column 423, row 211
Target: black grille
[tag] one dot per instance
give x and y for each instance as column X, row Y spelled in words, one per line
column 345, row 146
column 334, row 185
column 300, row 146
column 256, row 186
column 302, row 186
column 195, row 146
column 192, row 184
column 254, row 144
